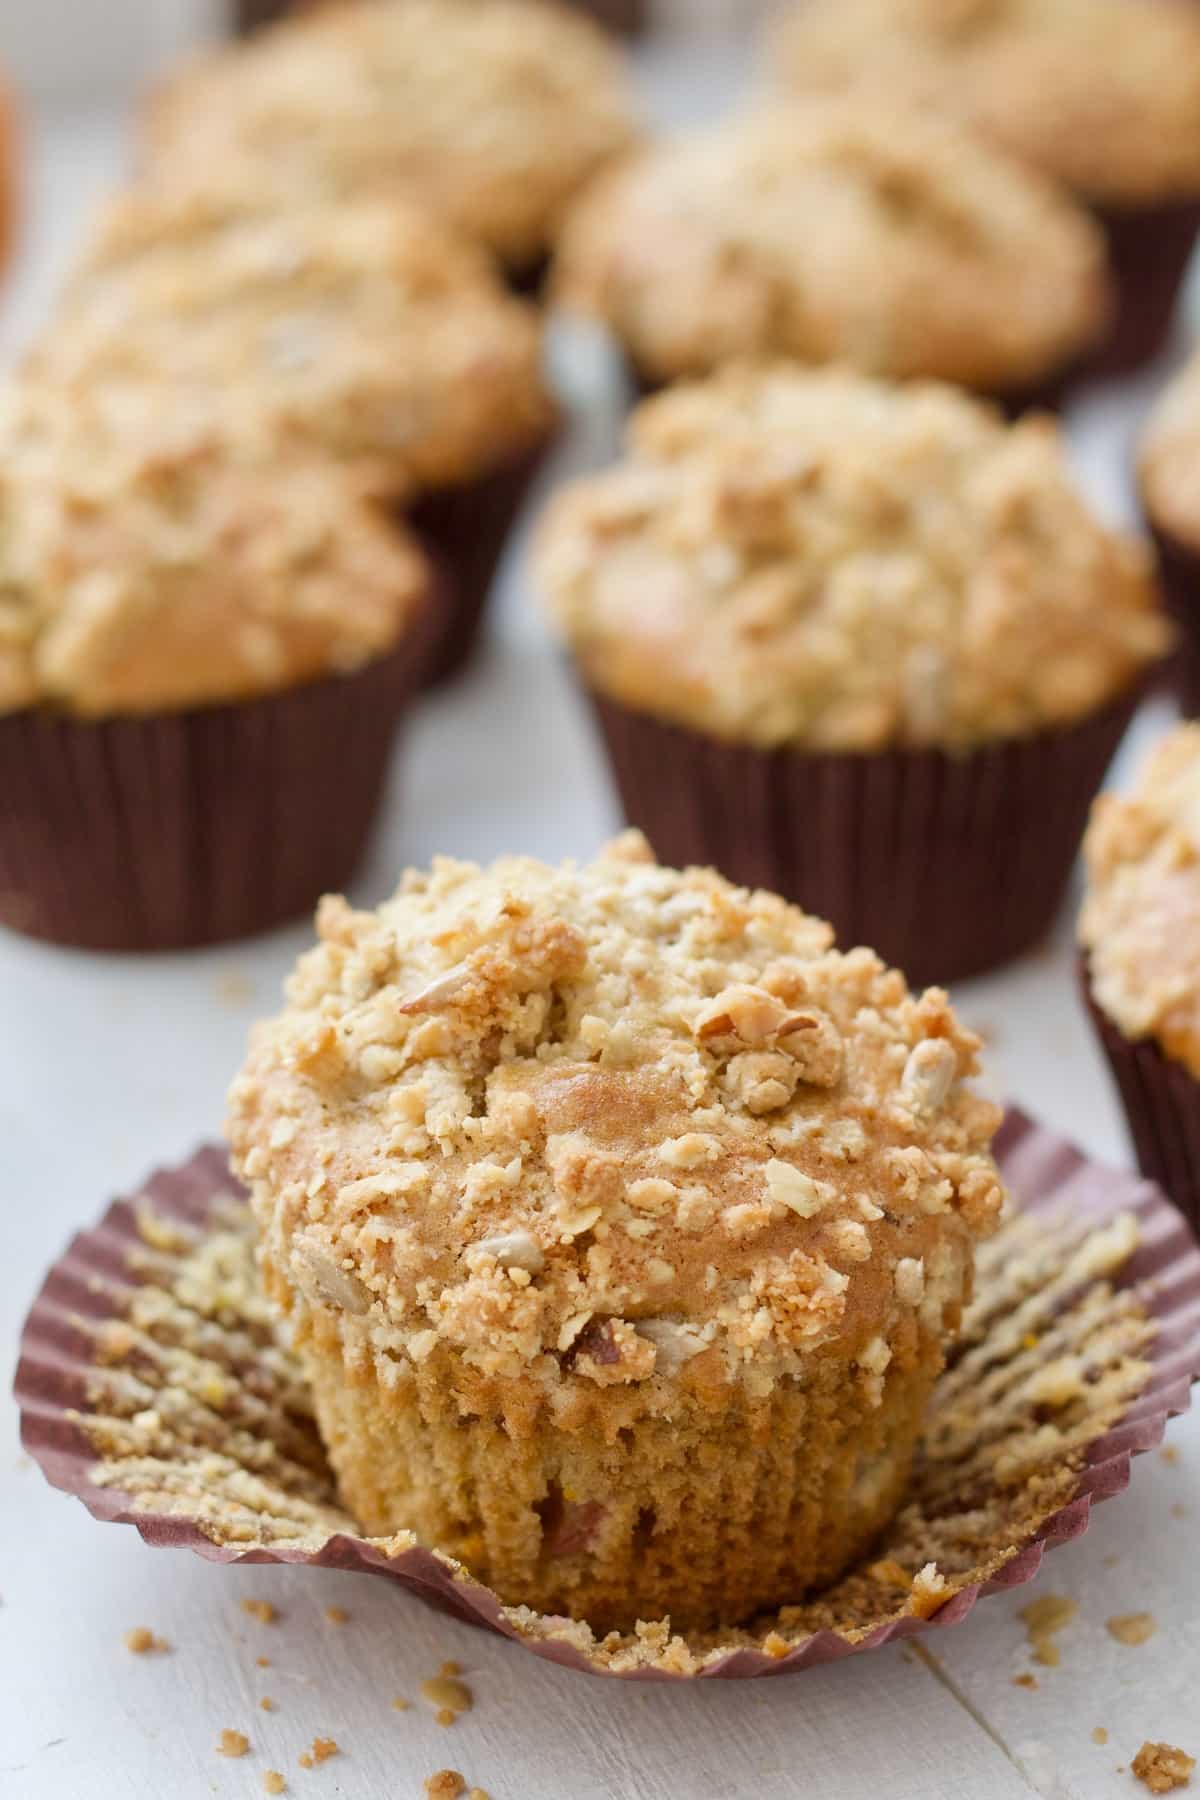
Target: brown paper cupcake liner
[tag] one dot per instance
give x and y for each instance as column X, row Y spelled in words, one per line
column 465, row 529
column 1162, row 1106
column 627, row 16
column 1179, row 571
column 947, row 865
column 1149, row 249
column 189, row 828
column 153, row 1386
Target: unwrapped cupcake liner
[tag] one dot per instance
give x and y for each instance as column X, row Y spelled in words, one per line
column 1161, row 1099
column 179, row 829
column 1149, row 250
column 948, row 865
column 465, row 529
column 154, row 1385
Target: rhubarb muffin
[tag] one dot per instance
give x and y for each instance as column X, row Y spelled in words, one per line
column 622, row 1224
column 1169, row 483
column 204, row 656
column 1139, row 932
column 1101, row 95
column 365, row 333
column 844, row 230
column 493, row 116
column 859, row 643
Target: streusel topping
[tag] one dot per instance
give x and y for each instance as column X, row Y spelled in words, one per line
column 494, row 115
column 1140, row 923
column 1102, row 94
column 609, row 1123
column 809, row 557
column 151, row 560
column 1169, row 457
column 839, row 230
column 362, row 330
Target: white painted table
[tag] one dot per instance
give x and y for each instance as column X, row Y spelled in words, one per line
column 109, row 1066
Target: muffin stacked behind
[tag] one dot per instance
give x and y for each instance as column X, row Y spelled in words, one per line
column 622, row 1224
column 860, row 644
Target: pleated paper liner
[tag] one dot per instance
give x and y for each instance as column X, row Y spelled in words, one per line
column 153, row 1386
column 1162, row 1106
column 179, row 829
column 948, row 865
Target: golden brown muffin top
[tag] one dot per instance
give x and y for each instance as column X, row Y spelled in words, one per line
column 1140, row 922
column 610, row 1120
column 1169, row 457
column 842, row 230
column 494, row 115
column 1104, row 95
column 151, row 561
column 809, row 557
column 363, row 331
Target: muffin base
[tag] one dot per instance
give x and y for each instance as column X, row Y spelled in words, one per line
column 1162, row 1107
column 1179, row 568
column 465, row 529
column 708, row 1515
column 948, row 866
column 1149, row 250
column 181, row 829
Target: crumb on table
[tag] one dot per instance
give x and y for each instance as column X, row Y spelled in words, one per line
column 273, row 1782
column 337, row 1615
column 401, row 1704
column 262, row 1610
column 447, row 1695
column 450, row 1668
column 1170, row 1453
column 1162, row 1767
column 1026, row 1680
column 1044, row 1618
column 1099, row 1735
column 267, row 1704
column 321, row 1751
column 233, row 1743
column 262, row 1662
column 1132, row 1628
column 446, row 1784
column 141, row 1641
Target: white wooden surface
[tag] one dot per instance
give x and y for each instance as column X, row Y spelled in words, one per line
column 108, row 1066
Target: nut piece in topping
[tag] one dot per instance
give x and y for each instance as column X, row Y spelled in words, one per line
column 929, row 1075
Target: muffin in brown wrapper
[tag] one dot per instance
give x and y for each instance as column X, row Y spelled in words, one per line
column 179, row 829
column 1149, row 250
column 950, row 865
column 1095, row 1263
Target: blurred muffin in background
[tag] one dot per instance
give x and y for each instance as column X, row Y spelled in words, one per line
column 1169, row 482
column 363, row 332
column 1102, row 95
column 493, row 115
column 204, row 655
column 619, row 15
column 1140, row 936
column 839, row 231
column 860, row 644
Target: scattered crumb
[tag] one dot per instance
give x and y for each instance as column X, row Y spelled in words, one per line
column 1179, row 1510
column 1111, row 1560
column 447, row 1784
column 478, row 1794
column 1099, row 1735
column 450, row 1668
column 1026, row 1680
column 1170, row 1453
column 447, row 1694
column 337, row 1615
column 273, row 1782
column 1132, row 1628
column 401, row 1704
column 141, row 1641
column 1044, row 1618
column 262, row 1662
column 234, row 989
column 262, row 1610
column 1162, row 1768
column 267, row 1704
column 322, row 1750
column 233, row 1743
column 446, row 1715
column 305, row 1760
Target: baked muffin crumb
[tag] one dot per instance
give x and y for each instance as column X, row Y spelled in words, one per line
column 1162, row 1767
column 141, row 1641
column 1044, row 1618
column 233, row 1743
column 446, row 1784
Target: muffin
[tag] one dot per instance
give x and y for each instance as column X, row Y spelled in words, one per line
column 1101, row 95
column 843, row 232
column 1169, row 482
column 361, row 332
column 1139, row 932
column 619, row 15
column 495, row 116
column 861, row 644
column 621, row 1223
column 204, row 656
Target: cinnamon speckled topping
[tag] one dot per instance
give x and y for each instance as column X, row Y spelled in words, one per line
column 1140, row 922
column 844, row 229
column 494, row 115
column 612, row 1124
column 151, row 559
column 809, row 557
column 1102, row 94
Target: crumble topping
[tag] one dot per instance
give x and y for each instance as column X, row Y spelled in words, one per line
column 1140, row 922
column 810, row 557
column 1124, row 123
column 507, row 1053
column 840, row 230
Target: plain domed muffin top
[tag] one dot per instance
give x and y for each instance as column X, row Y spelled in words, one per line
column 494, row 115
column 364, row 331
column 790, row 556
column 1169, row 457
column 841, row 230
column 151, row 561
column 1102, row 94
column 612, row 1122
column 1140, row 923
